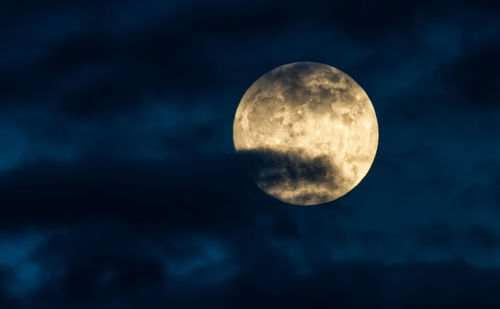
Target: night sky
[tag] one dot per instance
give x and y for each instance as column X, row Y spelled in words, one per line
column 120, row 188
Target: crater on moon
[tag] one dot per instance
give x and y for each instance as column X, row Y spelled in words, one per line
column 307, row 132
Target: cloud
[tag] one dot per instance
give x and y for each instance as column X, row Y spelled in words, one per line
column 119, row 187
column 275, row 170
column 123, row 268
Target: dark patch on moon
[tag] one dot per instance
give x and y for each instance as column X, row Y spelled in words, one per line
column 272, row 170
column 312, row 198
column 289, row 81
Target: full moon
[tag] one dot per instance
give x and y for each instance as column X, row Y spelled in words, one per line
column 307, row 132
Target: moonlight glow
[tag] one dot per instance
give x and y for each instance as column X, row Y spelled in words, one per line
column 308, row 131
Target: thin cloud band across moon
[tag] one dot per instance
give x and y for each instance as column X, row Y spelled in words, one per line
column 307, row 132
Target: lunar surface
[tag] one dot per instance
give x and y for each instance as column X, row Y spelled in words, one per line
column 307, row 133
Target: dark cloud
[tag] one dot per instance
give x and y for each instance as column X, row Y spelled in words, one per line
column 119, row 187
column 94, row 68
column 475, row 77
column 272, row 169
column 58, row 193
column 111, row 265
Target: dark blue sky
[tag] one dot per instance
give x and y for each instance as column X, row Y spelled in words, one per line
column 119, row 187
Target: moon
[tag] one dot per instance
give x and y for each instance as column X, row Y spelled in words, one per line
column 307, row 133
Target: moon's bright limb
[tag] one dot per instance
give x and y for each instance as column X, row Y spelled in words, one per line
column 308, row 131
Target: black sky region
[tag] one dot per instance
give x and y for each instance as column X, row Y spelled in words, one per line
column 119, row 187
